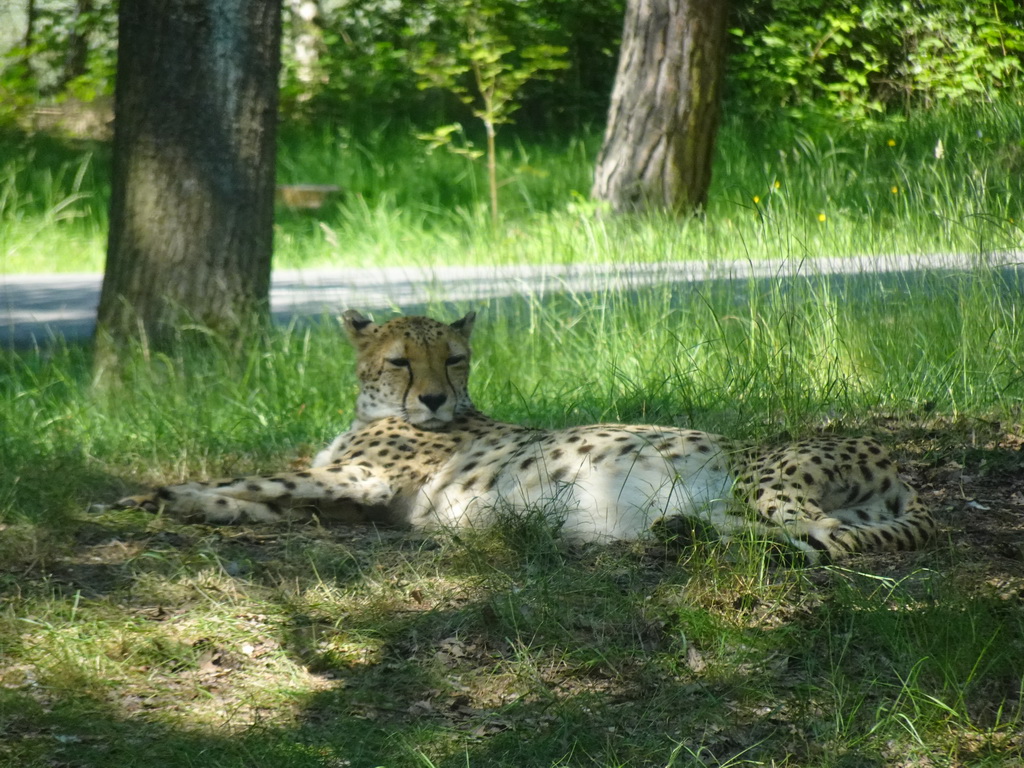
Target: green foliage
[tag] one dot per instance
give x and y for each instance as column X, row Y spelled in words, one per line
column 496, row 69
column 496, row 72
column 841, row 57
column 855, row 59
column 370, row 54
column 70, row 53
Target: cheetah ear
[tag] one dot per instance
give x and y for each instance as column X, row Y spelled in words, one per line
column 465, row 325
column 355, row 325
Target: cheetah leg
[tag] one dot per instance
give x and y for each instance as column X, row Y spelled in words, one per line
column 771, row 507
column 347, row 493
column 891, row 522
column 834, row 496
column 800, row 521
column 794, row 543
column 882, row 522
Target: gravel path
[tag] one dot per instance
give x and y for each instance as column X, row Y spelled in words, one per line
column 36, row 308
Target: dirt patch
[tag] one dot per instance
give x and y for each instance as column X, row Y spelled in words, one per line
column 971, row 474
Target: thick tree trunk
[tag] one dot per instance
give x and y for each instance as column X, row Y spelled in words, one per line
column 191, row 211
column 665, row 107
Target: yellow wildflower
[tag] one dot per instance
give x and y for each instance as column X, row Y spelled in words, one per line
column 756, row 199
column 895, row 190
column 822, row 217
column 891, row 142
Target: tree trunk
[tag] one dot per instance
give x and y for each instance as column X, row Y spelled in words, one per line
column 28, row 40
column 77, row 53
column 665, row 106
column 191, row 211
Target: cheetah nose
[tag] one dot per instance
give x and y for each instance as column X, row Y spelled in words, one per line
column 433, row 402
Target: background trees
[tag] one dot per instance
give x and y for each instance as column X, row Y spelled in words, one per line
column 803, row 56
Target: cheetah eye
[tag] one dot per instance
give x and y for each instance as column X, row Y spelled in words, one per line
column 455, row 360
column 399, row 362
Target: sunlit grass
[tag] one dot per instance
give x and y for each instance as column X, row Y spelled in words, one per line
column 930, row 183
column 52, row 209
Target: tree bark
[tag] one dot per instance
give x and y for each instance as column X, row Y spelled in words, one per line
column 77, row 53
column 191, row 211
column 664, row 111
column 29, row 39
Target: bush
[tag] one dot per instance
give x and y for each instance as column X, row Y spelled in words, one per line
column 857, row 58
column 367, row 52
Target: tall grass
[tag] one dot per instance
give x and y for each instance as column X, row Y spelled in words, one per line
column 52, row 207
column 788, row 190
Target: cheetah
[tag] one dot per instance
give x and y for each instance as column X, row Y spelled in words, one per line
column 419, row 454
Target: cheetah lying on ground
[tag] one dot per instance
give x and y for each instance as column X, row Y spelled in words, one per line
column 420, row 454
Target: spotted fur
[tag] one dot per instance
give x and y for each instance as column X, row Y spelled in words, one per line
column 420, row 454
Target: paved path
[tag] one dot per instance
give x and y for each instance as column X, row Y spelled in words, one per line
column 36, row 308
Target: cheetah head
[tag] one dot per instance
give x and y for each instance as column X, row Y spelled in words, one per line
column 412, row 368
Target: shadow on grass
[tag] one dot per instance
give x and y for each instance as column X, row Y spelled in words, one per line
column 402, row 650
column 137, row 640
